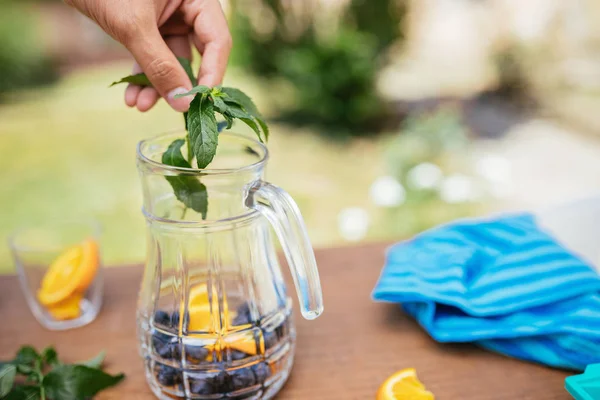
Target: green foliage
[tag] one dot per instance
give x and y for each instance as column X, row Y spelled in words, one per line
column 47, row 378
column 333, row 73
column 22, row 60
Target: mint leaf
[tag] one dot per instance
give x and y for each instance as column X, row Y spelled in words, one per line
column 77, row 382
column 202, row 128
column 241, row 98
column 138, row 79
column 173, row 155
column 24, row 393
column 7, row 379
column 219, row 104
column 236, row 111
column 95, row 362
column 27, row 355
column 195, row 90
column 187, row 66
column 49, row 356
column 187, row 188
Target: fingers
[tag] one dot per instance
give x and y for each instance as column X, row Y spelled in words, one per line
column 163, row 70
column 132, row 91
column 180, row 46
column 212, row 38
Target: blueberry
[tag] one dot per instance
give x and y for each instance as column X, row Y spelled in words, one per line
column 242, row 378
column 243, row 315
column 238, row 355
column 201, row 386
column 167, row 376
column 162, row 317
column 210, row 384
column 261, row 372
column 165, row 346
column 270, row 338
column 195, row 354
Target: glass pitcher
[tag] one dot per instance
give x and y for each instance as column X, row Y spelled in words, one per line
column 214, row 317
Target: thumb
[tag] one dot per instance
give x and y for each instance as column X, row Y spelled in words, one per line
column 162, row 68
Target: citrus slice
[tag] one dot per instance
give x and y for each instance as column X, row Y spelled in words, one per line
column 404, row 385
column 72, row 271
column 67, row 309
column 245, row 344
column 200, row 310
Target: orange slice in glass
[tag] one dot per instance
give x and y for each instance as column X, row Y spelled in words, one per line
column 404, row 385
column 72, row 271
column 66, row 309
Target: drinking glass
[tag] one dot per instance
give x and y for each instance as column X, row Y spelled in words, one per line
column 67, row 253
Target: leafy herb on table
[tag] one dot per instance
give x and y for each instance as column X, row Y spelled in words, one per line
column 46, row 378
column 202, row 136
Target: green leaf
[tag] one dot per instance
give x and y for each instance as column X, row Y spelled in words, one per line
column 138, row 79
column 187, row 66
column 229, row 121
column 77, row 382
column 49, row 356
column 241, row 98
column 95, row 362
column 27, row 355
column 195, row 90
column 219, row 104
column 202, row 128
column 187, row 188
column 7, row 379
column 237, row 96
column 173, row 155
column 236, row 111
column 24, row 393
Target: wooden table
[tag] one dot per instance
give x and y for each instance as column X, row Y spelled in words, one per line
column 345, row 354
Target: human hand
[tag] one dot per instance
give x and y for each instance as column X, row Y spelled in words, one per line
column 158, row 31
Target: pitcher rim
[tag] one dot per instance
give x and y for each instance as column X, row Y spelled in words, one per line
column 207, row 171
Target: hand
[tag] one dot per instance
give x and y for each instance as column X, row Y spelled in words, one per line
column 155, row 32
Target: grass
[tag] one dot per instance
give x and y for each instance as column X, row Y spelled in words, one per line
column 68, row 151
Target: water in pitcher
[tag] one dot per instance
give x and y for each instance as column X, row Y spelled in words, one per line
column 214, row 318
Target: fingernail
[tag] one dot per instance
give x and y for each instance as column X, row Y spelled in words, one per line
column 181, row 104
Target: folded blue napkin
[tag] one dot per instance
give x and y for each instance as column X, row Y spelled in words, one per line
column 502, row 283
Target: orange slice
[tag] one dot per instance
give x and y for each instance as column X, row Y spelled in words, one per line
column 246, row 344
column 200, row 309
column 72, row 271
column 404, row 385
column 67, row 309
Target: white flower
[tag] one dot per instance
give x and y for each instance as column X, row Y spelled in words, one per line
column 353, row 223
column 458, row 188
column 424, row 176
column 386, row 191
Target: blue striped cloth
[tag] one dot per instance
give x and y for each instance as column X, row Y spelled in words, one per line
column 502, row 283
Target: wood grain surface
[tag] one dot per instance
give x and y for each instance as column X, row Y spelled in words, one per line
column 345, row 354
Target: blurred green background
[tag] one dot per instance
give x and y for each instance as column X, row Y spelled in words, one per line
column 389, row 116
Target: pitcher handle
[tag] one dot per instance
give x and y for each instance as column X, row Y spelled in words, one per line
column 282, row 212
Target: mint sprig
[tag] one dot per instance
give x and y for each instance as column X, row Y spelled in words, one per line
column 46, row 378
column 202, row 137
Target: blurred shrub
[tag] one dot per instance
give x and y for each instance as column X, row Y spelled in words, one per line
column 330, row 56
column 23, row 62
